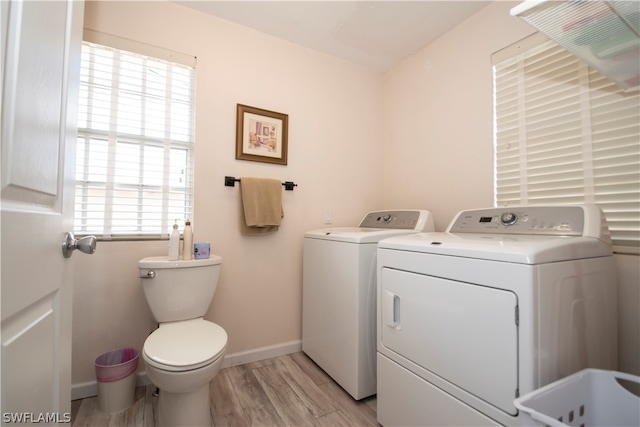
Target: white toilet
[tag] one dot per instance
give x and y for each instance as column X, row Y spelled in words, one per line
column 184, row 354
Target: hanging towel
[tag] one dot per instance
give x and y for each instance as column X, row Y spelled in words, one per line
column 261, row 204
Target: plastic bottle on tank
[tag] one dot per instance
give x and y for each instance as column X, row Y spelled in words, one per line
column 187, row 251
column 174, row 243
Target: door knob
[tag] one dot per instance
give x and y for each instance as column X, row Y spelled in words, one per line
column 85, row 244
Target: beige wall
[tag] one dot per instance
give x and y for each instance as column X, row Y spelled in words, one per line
column 431, row 117
column 438, row 117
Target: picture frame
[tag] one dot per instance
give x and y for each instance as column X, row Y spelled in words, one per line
column 261, row 135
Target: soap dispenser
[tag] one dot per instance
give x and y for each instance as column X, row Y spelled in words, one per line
column 187, row 251
column 174, row 243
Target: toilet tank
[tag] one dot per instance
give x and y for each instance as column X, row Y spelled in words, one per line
column 179, row 290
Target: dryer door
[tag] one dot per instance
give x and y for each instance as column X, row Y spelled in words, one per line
column 464, row 333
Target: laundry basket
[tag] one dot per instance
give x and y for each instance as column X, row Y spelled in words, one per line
column 591, row 397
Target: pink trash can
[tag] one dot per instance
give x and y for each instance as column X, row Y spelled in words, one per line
column 116, row 380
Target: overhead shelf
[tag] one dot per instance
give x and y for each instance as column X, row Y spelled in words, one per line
column 604, row 34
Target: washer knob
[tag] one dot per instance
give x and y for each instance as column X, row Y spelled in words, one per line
column 508, row 218
column 386, row 218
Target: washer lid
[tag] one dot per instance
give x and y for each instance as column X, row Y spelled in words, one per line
column 188, row 344
column 355, row 234
column 520, row 249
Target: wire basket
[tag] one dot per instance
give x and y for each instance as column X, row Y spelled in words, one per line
column 589, row 398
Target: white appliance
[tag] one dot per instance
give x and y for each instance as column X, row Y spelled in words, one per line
column 502, row 303
column 338, row 295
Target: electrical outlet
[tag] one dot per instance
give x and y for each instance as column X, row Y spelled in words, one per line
column 328, row 216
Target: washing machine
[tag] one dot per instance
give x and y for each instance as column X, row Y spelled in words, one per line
column 502, row 303
column 338, row 295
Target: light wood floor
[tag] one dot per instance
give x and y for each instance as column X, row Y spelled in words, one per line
column 288, row 390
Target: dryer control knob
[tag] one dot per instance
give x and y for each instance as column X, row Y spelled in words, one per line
column 386, row 218
column 508, row 218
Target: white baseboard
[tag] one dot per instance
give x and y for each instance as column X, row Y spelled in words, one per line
column 261, row 353
column 90, row 388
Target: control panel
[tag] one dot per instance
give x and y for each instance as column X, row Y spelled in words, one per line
column 545, row 220
column 419, row 220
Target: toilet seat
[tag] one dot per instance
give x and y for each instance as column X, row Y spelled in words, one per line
column 184, row 345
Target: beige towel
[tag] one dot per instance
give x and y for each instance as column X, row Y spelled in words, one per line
column 261, row 204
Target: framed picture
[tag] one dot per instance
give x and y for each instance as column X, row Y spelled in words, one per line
column 261, row 135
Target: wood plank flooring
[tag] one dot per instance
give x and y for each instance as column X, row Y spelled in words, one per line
column 288, row 390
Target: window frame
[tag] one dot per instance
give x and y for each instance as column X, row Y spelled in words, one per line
column 165, row 159
column 513, row 98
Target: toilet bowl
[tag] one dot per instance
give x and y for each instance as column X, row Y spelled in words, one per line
column 181, row 359
column 186, row 351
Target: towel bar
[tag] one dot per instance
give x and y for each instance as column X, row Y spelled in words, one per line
column 230, row 181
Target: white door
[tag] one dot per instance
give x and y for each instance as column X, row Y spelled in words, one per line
column 41, row 64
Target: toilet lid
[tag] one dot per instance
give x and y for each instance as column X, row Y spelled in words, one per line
column 185, row 345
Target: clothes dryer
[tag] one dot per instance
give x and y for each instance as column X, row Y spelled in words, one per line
column 338, row 295
column 504, row 302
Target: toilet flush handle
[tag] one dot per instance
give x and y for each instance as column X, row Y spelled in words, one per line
column 150, row 275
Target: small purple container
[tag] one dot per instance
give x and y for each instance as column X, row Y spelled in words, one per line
column 201, row 250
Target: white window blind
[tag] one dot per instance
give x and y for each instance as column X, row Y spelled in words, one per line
column 564, row 134
column 134, row 167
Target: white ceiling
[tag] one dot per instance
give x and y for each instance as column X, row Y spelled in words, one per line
column 376, row 34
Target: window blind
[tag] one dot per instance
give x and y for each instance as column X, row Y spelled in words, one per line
column 563, row 134
column 134, row 164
